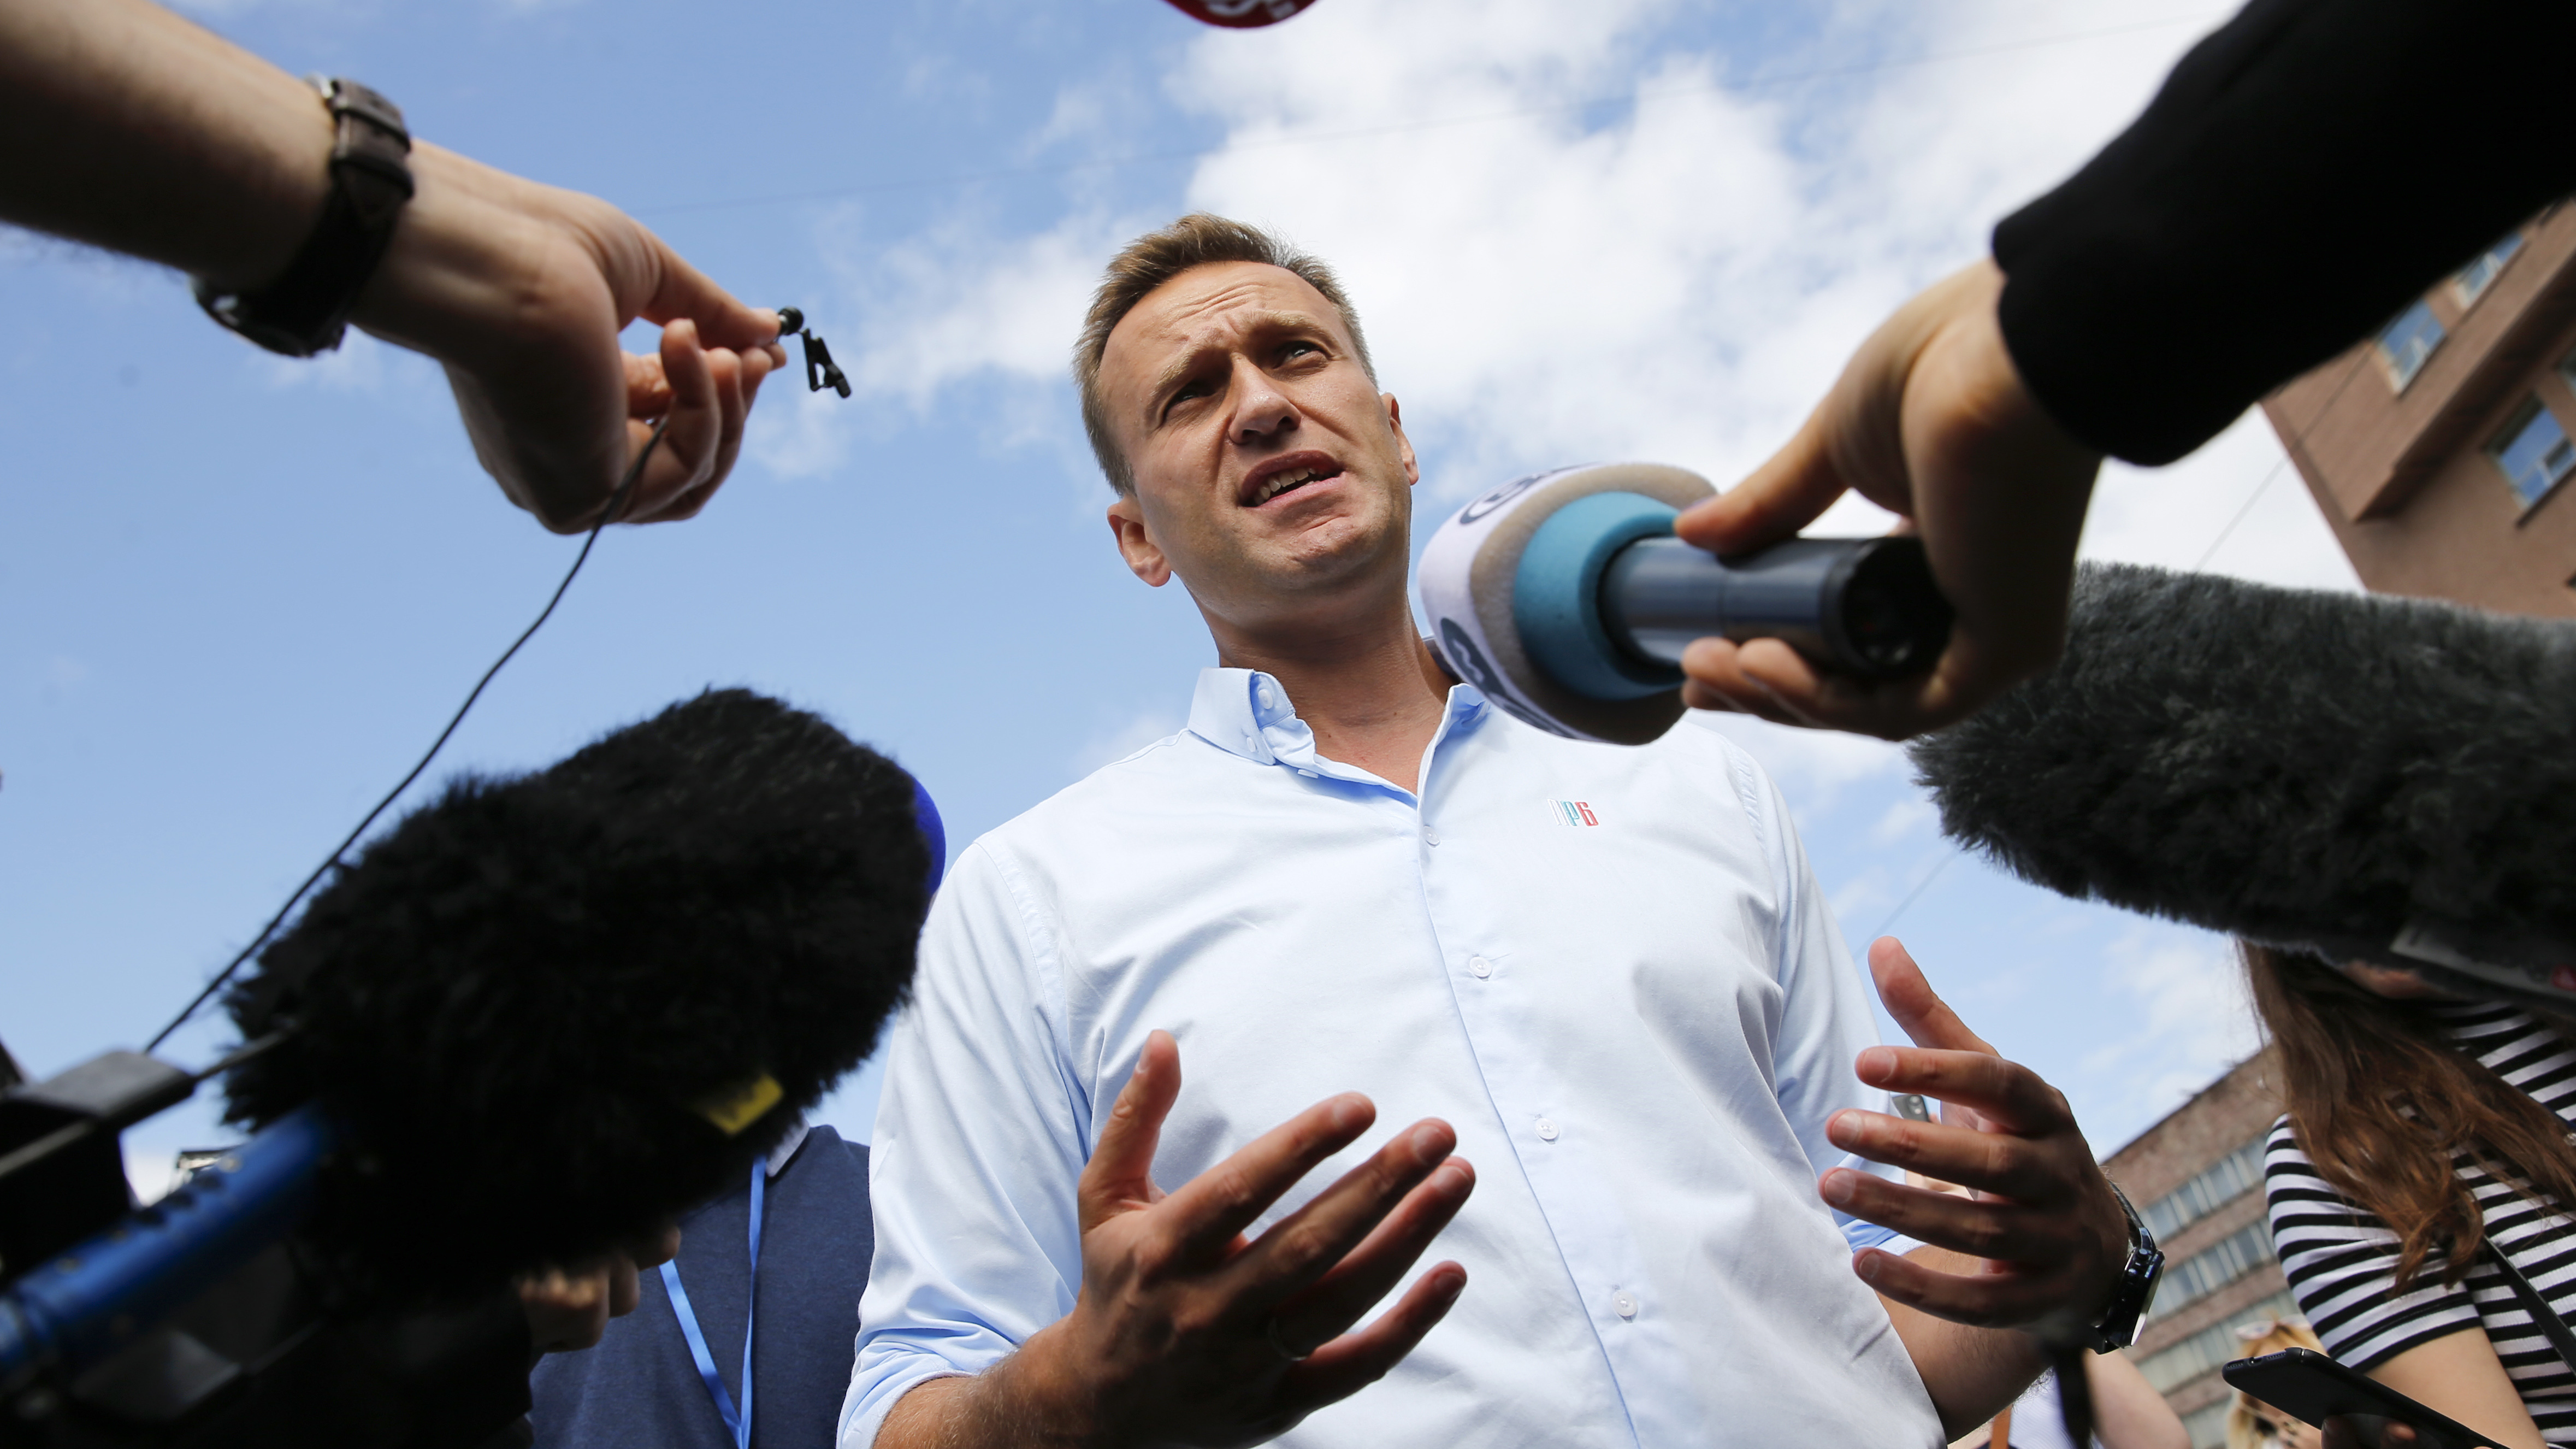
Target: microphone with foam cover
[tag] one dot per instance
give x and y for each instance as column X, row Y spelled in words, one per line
column 2359, row 777
column 535, row 1020
column 1566, row 599
column 603, row 988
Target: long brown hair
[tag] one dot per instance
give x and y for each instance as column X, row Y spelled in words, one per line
column 2380, row 1099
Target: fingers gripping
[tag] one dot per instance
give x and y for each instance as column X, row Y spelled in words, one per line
column 681, row 291
column 1785, row 494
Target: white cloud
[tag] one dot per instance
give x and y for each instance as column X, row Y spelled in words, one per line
column 1117, row 741
column 813, row 439
column 2179, row 517
column 1591, row 231
column 1912, row 816
column 955, row 302
column 2193, row 1018
column 1678, row 283
column 1812, row 767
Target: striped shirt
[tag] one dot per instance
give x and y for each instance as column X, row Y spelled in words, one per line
column 2341, row 1261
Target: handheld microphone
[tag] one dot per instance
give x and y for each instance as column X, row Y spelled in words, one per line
column 1240, row 14
column 538, row 1017
column 2355, row 776
column 1565, row 598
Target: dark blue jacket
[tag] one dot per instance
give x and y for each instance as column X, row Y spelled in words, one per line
column 639, row 1389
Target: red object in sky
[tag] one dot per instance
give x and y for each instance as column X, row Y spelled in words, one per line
column 1240, row 14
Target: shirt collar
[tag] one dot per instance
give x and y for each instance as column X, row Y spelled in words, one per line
column 1247, row 712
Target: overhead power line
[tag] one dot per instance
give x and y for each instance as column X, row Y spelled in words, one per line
column 2287, row 448
column 1430, row 123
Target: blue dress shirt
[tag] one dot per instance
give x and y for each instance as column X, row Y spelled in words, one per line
column 1610, row 969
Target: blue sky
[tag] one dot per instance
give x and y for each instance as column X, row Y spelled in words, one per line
column 241, row 593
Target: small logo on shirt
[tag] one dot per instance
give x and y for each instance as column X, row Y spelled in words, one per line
column 1577, row 813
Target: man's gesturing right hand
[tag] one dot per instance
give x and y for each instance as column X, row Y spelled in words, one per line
column 1186, row 1332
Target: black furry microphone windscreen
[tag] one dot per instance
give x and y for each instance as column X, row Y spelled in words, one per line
column 535, row 1007
column 2359, row 776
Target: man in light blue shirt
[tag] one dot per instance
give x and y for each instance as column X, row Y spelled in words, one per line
column 1604, row 975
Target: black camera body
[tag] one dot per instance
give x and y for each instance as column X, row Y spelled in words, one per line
column 205, row 1319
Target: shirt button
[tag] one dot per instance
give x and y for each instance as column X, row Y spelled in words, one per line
column 1547, row 1129
column 1252, row 742
column 1430, row 836
column 1263, row 694
column 1480, row 967
column 1624, row 1305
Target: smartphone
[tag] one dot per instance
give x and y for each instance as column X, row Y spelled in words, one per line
column 2310, row 1386
column 1910, row 1105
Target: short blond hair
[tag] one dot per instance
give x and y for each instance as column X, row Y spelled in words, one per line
column 1199, row 239
column 2254, row 1340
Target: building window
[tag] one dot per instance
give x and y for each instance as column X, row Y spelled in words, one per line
column 2215, row 1187
column 2533, row 451
column 2472, row 279
column 2406, row 342
column 2180, row 1362
column 2215, row 1266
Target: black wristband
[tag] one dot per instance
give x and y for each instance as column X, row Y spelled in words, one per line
column 2136, row 1292
column 306, row 310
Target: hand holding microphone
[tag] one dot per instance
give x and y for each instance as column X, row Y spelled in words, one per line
column 568, row 1308
column 1930, row 420
column 1564, row 597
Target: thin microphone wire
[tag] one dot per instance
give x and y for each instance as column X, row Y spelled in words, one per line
column 2288, row 447
column 616, row 504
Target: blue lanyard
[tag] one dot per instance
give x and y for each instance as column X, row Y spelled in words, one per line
column 740, row 1423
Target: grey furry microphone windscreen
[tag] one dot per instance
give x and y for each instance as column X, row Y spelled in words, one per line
column 2361, row 777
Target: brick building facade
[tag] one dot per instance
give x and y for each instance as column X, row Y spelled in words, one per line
column 2197, row 1178
column 2439, row 450
column 2440, row 453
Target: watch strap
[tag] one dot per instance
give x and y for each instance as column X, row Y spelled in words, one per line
column 2117, row 1328
column 306, row 309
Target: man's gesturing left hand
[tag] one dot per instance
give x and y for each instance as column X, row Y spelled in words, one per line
column 2039, row 1211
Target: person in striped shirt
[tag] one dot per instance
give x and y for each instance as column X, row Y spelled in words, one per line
column 2417, row 1187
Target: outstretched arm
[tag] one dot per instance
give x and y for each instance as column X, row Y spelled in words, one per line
column 134, row 130
column 2128, row 1413
column 2236, row 235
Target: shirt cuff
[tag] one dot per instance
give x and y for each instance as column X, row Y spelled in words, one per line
column 865, row 1414
column 1868, row 1235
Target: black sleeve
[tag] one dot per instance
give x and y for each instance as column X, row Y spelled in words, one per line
column 2303, row 173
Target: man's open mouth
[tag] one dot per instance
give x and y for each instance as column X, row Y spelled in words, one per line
column 1289, row 481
